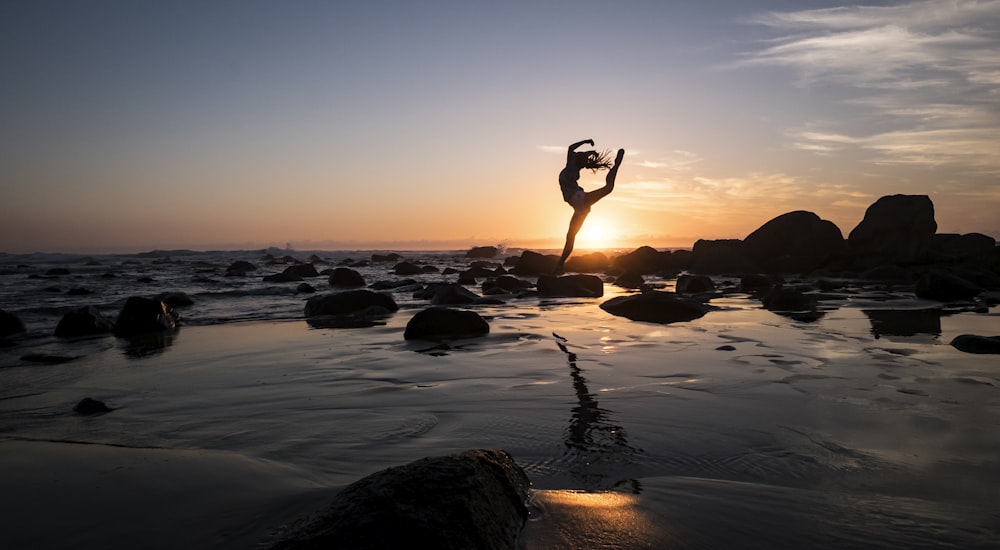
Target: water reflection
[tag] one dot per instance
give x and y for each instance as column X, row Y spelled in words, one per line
column 147, row 345
column 891, row 322
column 598, row 446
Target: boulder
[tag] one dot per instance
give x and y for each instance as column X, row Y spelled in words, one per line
column 474, row 499
column 10, row 324
column 532, row 263
column 89, row 407
column 630, row 279
column 971, row 247
column 753, row 283
column 407, row 268
column 584, row 286
column 348, row 302
column 301, row 270
column 796, row 242
column 505, row 284
column 644, row 260
column 971, row 343
column 451, row 294
column 717, row 257
column 945, row 287
column 174, row 298
column 894, row 322
column 346, row 277
column 781, row 298
column 84, row 321
column 441, row 323
column 656, row 307
column 895, row 229
column 239, row 268
column 143, row 316
column 305, row 288
column 595, row 262
column 694, row 284
column 387, row 285
column 482, row 252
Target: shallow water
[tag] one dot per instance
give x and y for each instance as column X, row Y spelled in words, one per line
column 870, row 429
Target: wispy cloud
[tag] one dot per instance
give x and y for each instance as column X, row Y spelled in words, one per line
column 929, row 70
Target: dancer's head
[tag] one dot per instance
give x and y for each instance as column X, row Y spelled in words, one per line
column 593, row 160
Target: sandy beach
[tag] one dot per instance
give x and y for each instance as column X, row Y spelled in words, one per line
column 744, row 427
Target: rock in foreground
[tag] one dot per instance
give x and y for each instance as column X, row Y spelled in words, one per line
column 656, row 307
column 972, row 343
column 474, row 499
column 583, row 286
column 144, row 316
column 442, row 323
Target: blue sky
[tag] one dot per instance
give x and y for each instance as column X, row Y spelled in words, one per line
column 138, row 125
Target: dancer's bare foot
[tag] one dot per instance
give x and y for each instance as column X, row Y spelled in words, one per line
column 621, row 155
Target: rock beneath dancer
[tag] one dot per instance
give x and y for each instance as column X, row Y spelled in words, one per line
column 572, row 193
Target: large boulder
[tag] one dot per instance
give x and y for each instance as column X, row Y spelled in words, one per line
column 348, row 302
column 301, row 270
column 474, row 499
column 441, row 323
column 644, row 260
column 406, row 269
column 972, row 343
column 782, row 298
column 240, row 268
column 595, row 262
column 143, row 316
column 796, row 242
column 443, row 294
column 533, row 263
column 656, row 307
column 85, row 321
column 945, row 287
column 895, row 229
column 10, row 324
column 971, row 247
column 482, row 252
column 583, row 286
column 694, row 284
column 717, row 257
column 346, row 277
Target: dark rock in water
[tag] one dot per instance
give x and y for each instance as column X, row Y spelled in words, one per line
column 85, row 321
column 482, row 252
column 90, row 407
column 585, row 286
column 407, row 268
column 694, row 284
column 971, row 247
column 347, row 277
column 889, row 322
column 754, row 283
column 532, row 263
column 630, row 279
column 511, row 261
column 475, row 499
column 717, row 257
column 644, row 260
column 971, row 343
column 391, row 257
column 796, row 242
column 782, row 298
column 146, row 280
column 301, row 270
column 239, row 268
column 656, row 307
column 175, row 299
column 80, row 291
column 442, row 294
column 142, row 315
column 348, row 302
column 430, row 269
column 282, row 278
column 439, row 323
column 895, row 229
column 467, row 278
column 505, row 284
column 10, row 324
column 727, row 347
column 387, row 285
column 57, row 271
column 595, row 262
column 305, row 288
column 945, row 287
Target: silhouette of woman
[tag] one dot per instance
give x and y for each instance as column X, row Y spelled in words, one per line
column 573, row 194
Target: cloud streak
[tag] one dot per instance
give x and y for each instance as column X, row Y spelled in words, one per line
column 929, row 71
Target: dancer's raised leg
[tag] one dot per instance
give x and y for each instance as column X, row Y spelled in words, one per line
column 609, row 181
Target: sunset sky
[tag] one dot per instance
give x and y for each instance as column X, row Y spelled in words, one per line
column 128, row 126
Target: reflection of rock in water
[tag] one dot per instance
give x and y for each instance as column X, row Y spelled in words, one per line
column 597, row 447
column 888, row 322
column 147, row 345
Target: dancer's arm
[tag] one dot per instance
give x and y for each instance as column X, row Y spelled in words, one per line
column 569, row 153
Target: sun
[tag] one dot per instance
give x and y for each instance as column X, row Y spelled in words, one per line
column 594, row 234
